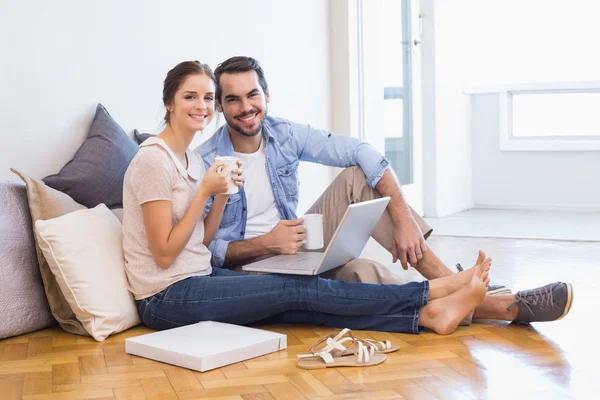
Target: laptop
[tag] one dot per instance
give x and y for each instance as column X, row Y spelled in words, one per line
column 347, row 243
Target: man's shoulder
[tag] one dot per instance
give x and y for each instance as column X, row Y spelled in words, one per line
column 282, row 128
column 276, row 125
column 210, row 145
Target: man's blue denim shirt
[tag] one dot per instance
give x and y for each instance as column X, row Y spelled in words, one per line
column 287, row 143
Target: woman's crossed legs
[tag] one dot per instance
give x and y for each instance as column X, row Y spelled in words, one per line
column 237, row 298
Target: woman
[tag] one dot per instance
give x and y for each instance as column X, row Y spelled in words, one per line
column 168, row 264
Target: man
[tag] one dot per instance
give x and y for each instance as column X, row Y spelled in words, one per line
column 261, row 219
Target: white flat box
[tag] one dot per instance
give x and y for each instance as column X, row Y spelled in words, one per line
column 206, row 345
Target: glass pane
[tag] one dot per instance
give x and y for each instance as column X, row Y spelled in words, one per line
column 393, row 118
column 555, row 114
column 396, row 142
column 397, row 149
column 386, row 82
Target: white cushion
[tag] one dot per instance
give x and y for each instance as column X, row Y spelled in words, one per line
column 85, row 252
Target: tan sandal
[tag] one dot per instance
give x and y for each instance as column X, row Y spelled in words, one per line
column 373, row 345
column 325, row 358
column 382, row 347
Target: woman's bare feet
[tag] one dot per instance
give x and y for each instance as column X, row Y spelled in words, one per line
column 444, row 314
column 468, row 273
column 442, row 287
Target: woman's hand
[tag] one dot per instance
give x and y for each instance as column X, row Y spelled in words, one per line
column 215, row 180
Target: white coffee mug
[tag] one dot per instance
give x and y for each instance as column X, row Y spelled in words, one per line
column 231, row 164
column 314, row 231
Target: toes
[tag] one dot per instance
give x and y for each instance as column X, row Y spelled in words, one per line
column 480, row 257
column 485, row 275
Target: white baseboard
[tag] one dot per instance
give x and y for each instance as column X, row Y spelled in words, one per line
column 438, row 214
column 545, row 207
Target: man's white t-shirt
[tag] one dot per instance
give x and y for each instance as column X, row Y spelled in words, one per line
column 262, row 212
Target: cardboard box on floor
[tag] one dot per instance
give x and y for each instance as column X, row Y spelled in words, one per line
column 206, row 345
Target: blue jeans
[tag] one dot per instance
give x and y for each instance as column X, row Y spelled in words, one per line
column 241, row 299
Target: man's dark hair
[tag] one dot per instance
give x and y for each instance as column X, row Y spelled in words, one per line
column 236, row 65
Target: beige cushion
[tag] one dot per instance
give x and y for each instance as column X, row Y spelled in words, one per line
column 118, row 213
column 46, row 203
column 84, row 250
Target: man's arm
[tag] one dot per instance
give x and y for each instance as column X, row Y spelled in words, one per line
column 239, row 252
column 323, row 147
column 213, row 218
column 285, row 238
column 408, row 244
column 342, row 151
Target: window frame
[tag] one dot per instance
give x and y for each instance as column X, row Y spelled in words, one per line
column 508, row 142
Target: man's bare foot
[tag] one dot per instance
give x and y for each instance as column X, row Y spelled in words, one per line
column 444, row 314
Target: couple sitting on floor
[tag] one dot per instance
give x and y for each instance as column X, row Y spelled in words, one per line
column 185, row 240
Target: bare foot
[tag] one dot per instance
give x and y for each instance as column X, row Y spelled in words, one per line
column 444, row 287
column 444, row 314
column 482, row 264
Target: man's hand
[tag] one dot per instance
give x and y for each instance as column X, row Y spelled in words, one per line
column 236, row 175
column 408, row 245
column 286, row 237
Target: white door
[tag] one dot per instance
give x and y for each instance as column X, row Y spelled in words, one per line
column 390, row 82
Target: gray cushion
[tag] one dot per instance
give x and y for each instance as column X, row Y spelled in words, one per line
column 23, row 304
column 95, row 175
column 140, row 137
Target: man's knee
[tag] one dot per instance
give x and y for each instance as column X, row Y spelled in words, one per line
column 363, row 270
column 356, row 270
column 352, row 174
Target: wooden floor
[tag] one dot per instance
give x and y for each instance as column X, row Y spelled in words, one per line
column 485, row 361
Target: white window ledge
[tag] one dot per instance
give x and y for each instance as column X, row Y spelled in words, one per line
column 545, row 143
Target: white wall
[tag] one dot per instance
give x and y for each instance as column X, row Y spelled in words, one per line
column 492, row 42
column 60, row 58
column 463, row 166
column 446, row 141
column 528, row 180
column 514, row 41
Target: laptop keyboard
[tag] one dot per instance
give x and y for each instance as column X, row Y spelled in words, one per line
column 303, row 261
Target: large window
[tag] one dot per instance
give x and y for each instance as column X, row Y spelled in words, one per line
column 550, row 117
column 395, row 61
column 386, row 49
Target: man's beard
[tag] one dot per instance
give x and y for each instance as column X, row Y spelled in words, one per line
column 248, row 133
column 240, row 129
